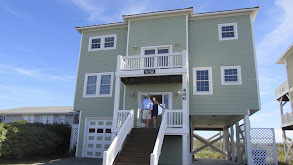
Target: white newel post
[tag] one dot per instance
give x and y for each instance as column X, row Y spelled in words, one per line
column 119, row 61
column 116, row 103
column 247, row 140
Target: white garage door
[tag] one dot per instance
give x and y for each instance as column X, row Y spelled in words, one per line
column 98, row 137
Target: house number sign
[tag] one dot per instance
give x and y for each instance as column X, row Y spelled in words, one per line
column 184, row 94
column 149, row 71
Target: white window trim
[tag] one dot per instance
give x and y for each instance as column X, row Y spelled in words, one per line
column 170, row 47
column 47, row 119
column 60, row 119
column 102, row 47
column 33, row 116
column 195, row 92
column 98, row 84
column 238, row 72
column 228, row 24
column 4, row 117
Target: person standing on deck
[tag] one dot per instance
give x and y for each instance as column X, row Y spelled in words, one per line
column 155, row 111
column 147, row 107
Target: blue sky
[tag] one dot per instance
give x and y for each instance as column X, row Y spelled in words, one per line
column 40, row 46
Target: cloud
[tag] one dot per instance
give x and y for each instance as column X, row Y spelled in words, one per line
column 16, row 13
column 268, row 47
column 99, row 11
column 35, row 73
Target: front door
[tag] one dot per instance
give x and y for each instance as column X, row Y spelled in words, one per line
column 165, row 100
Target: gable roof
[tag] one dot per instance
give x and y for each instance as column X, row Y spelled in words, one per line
column 286, row 54
column 38, row 110
column 189, row 11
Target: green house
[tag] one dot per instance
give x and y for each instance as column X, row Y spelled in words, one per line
column 200, row 67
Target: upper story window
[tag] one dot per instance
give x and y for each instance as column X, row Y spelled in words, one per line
column 98, row 85
column 2, row 119
column 155, row 50
column 104, row 42
column 47, row 119
column 231, row 75
column 202, row 81
column 28, row 118
column 228, row 31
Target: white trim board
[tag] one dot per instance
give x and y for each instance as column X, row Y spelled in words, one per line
column 102, row 42
column 210, row 72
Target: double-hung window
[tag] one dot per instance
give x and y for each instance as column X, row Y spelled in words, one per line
column 228, row 31
column 61, row 118
column 104, row 42
column 202, row 81
column 47, row 119
column 2, row 119
column 98, row 85
column 28, row 118
column 231, row 75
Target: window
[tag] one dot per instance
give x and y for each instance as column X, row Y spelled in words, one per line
column 61, row 118
column 202, row 81
column 2, row 119
column 154, row 50
column 228, row 31
column 47, row 119
column 98, row 85
column 231, row 75
column 28, row 118
column 102, row 42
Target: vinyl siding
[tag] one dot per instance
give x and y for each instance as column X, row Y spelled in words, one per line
column 289, row 62
column 157, row 31
column 97, row 62
column 207, row 51
column 171, row 153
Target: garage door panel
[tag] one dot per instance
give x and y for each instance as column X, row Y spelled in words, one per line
column 98, row 137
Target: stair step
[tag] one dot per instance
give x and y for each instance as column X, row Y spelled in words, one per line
column 131, row 164
column 133, row 160
column 142, row 145
column 138, row 150
column 135, row 155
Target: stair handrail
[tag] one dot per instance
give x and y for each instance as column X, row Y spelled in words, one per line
column 155, row 155
column 116, row 145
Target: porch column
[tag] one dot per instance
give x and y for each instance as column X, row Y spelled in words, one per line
column 238, row 144
column 232, row 143
column 185, row 150
column 184, row 102
column 116, row 103
column 247, row 140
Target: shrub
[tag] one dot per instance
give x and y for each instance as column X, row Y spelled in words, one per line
column 23, row 140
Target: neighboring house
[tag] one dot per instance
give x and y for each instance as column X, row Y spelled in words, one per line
column 201, row 67
column 58, row 114
column 284, row 94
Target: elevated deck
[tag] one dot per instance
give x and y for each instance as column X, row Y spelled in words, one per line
column 152, row 65
column 282, row 91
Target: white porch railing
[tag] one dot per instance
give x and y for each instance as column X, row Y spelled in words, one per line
column 175, row 119
column 116, row 145
column 121, row 117
column 155, row 155
column 139, row 62
column 287, row 118
column 282, row 90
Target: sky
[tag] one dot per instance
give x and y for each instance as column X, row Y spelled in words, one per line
column 39, row 46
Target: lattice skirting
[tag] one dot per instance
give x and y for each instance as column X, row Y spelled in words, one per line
column 263, row 146
column 73, row 137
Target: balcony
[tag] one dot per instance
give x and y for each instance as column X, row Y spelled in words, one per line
column 152, row 64
column 282, row 90
column 287, row 119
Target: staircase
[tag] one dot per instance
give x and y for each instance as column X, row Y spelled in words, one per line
column 138, row 147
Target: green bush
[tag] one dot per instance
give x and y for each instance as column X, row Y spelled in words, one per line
column 23, row 140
